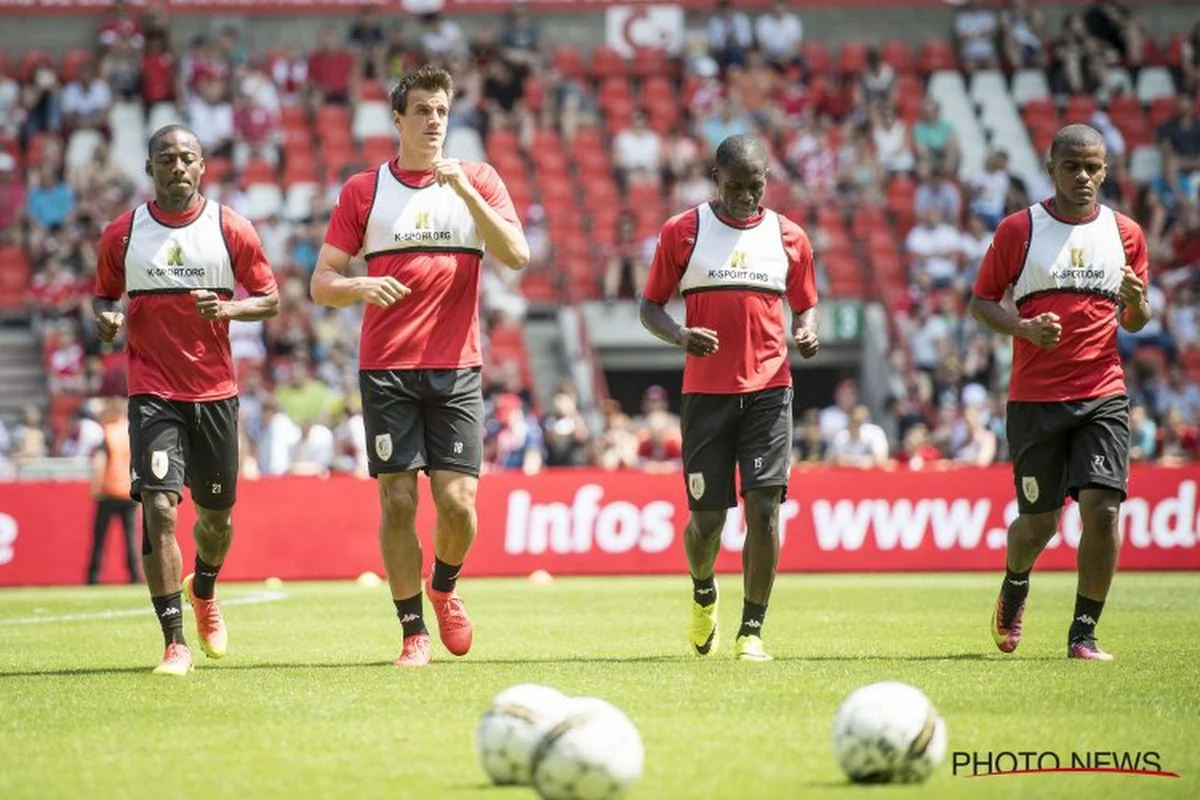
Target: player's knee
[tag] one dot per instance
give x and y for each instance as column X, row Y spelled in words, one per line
column 217, row 523
column 708, row 524
column 160, row 510
column 1100, row 509
column 1038, row 527
column 761, row 508
column 399, row 502
column 456, row 507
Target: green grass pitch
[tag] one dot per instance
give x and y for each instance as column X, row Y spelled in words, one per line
column 307, row 704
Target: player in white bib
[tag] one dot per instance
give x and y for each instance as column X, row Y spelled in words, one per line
column 1076, row 270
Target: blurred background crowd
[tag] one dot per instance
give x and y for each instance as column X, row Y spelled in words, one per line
column 864, row 156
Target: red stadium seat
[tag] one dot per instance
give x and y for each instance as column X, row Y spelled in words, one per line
column 15, row 275
column 897, row 53
column 606, row 63
column 72, row 61
column 657, row 90
column 587, row 139
column 649, row 61
column 257, row 171
column 936, row 54
column 615, row 94
column 30, row 61
column 533, row 94
column 816, row 55
column 501, row 140
column 835, row 240
column 900, row 191
column 300, row 170
column 569, row 61
column 868, row 219
column 293, row 116
column 1136, row 130
column 1175, row 51
column 6, row 65
column 1123, row 106
column 371, row 90
column 852, row 58
column 546, row 140
column 216, row 169
column 1042, row 111
column 1080, row 108
column 1152, row 53
column 378, row 149
column 1162, row 110
column 538, row 286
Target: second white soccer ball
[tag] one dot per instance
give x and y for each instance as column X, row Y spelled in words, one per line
column 511, row 728
column 595, row 753
column 888, row 732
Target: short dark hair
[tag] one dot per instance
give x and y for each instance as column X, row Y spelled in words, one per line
column 165, row 131
column 741, row 148
column 1075, row 135
column 428, row 78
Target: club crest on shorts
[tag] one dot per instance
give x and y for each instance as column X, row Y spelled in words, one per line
column 159, row 463
column 383, row 446
column 696, row 485
column 1029, row 487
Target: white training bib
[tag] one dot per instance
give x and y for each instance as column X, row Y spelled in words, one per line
column 405, row 218
column 163, row 259
column 1086, row 258
column 725, row 257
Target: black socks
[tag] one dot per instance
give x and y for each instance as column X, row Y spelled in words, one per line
column 169, row 611
column 704, row 591
column 445, row 576
column 204, row 584
column 1014, row 590
column 1087, row 616
column 411, row 614
column 752, row 619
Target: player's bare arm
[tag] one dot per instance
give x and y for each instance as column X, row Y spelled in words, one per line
column 109, row 318
column 210, row 306
column 330, row 286
column 503, row 239
column 1137, row 311
column 804, row 332
column 697, row 341
column 1044, row 330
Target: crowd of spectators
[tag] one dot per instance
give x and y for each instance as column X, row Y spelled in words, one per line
column 840, row 141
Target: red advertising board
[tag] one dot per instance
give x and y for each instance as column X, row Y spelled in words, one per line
column 40, row 7
column 594, row 523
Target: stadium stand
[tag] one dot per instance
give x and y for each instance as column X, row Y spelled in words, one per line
column 898, row 159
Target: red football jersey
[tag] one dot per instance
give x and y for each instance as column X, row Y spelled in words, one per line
column 1071, row 267
column 734, row 275
column 158, row 258
column 422, row 235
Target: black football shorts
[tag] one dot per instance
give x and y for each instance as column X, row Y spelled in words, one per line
column 423, row 419
column 177, row 443
column 750, row 433
column 1059, row 448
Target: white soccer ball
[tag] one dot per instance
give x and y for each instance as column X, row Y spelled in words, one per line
column 596, row 753
column 511, row 728
column 888, row 733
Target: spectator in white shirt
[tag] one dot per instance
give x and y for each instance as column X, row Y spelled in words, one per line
column 976, row 29
column 637, row 151
column 976, row 240
column 86, row 100
column 280, row 436
column 933, row 246
column 936, row 191
column 862, row 444
column 989, row 189
column 833, row 419
column 442, row 39
column 779, row 34
column 729, row 34
column 211, row 118
column 314, row 451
